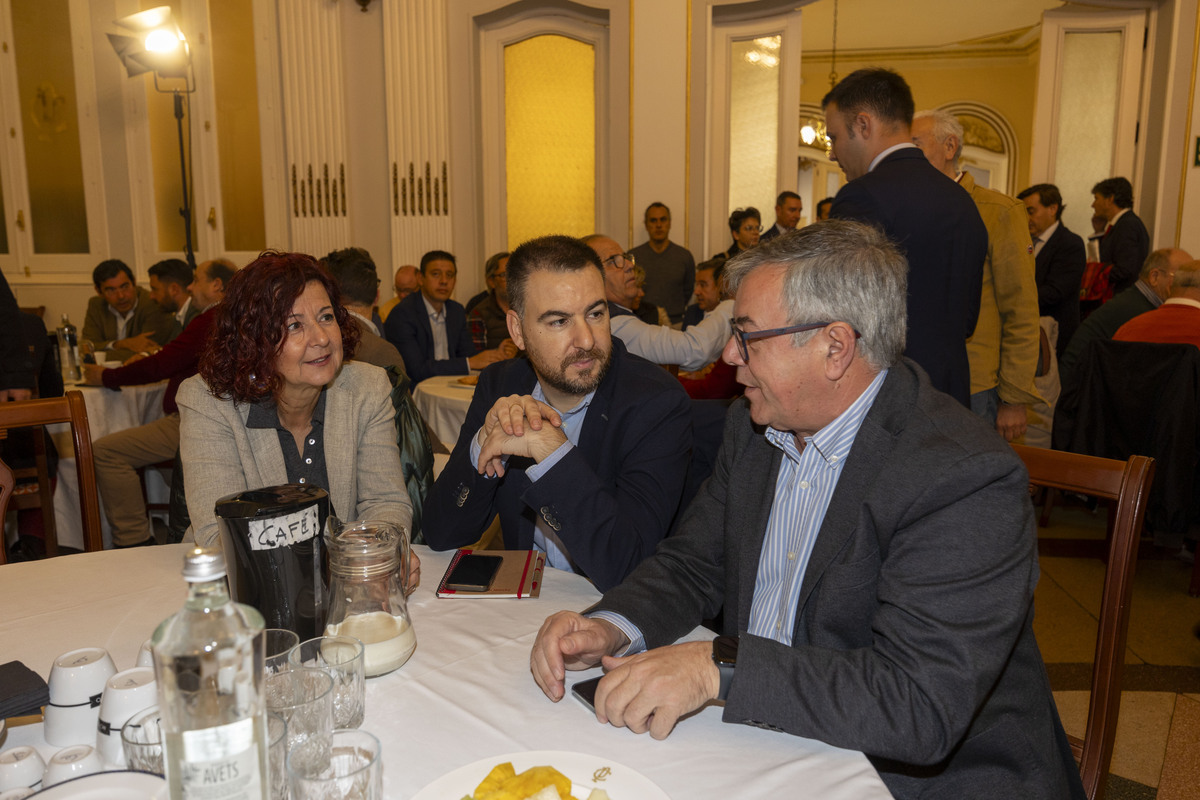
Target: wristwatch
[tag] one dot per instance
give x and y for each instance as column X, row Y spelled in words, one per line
column 724, row 655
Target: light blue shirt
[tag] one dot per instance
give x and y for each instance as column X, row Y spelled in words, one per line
column 803, row 489
column 546, row 538
column 805, row 484
column 437, row 321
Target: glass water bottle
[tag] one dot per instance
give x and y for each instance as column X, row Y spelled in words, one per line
column 208, row 660
column 68, row 350
column 368, row 568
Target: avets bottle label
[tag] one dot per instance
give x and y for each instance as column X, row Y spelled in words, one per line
column 221, row 763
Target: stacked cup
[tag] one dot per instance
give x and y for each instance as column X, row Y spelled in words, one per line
column 76, row 685
column 125, row 694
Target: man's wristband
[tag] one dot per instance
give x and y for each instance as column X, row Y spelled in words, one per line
column 724, row 655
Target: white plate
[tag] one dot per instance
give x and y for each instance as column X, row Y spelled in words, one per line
column 121, row 785
column 585, row 771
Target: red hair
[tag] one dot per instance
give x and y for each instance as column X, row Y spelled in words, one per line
column 250, row 324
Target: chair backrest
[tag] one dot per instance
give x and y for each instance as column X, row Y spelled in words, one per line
column 49, row 411
column 1128, row 483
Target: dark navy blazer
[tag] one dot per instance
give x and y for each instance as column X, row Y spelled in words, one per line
column 936, row 225
column 409, row 329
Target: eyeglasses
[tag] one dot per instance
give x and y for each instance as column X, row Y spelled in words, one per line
column 611, row 261
column 743, row 338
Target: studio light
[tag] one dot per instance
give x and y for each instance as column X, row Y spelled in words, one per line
column 157, row 45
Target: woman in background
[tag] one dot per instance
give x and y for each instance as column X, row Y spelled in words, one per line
column 275, row 403
column 745, row 224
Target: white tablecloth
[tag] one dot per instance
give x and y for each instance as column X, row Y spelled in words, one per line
column 108, row 412
column 466, row 694
column 443, row 401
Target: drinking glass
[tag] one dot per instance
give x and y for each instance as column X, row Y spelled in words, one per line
column 342, row 658
column 354, row 770
column 277, row 642
column 142, row 741
column 277, row 755
column 304, row 698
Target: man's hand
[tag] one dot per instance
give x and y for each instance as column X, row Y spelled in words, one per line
column 515, row 416
column 142, row 343
column 508, row 349
column 1011, row 421
column 535, row 444
column 15, row 395
column 570, row 641
column 92, row 373
column 485, row 358
column 511, row 413
column 650, row 691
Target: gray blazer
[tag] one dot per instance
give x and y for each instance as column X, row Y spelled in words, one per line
column 222, row 456
column 913, row 639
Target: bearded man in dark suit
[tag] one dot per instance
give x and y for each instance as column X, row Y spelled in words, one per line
column 871, row 541
column 933, row 220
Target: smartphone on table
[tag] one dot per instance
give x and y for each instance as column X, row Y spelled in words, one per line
column 474, row 573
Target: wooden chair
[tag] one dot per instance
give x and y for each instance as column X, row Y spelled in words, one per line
column 1128, row 483
column 70, row 409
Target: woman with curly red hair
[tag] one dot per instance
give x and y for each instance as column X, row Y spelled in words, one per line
column 275, row 403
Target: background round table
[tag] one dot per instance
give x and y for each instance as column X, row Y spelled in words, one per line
column 109, row 411
column 443, row 402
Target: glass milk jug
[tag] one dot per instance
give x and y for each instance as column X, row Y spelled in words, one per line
column 368, row 569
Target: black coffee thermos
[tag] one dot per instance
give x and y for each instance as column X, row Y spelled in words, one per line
column 277, row 547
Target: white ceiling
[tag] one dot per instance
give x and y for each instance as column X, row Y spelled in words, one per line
column 905, row 24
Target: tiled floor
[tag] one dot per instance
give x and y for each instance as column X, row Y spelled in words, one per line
column 1157, row 752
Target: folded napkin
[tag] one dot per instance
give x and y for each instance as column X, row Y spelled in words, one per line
column 22, row 691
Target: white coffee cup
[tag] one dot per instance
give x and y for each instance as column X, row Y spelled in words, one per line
column 100, row 356
column 76, row 684
column 146, row 654
column 72, row 762
column 21, row 768
column 125, row 694
column 16, row 794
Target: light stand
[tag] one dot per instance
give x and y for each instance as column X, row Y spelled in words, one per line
column 186, row 210
column 160, row 47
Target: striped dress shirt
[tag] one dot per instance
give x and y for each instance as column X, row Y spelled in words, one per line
column 803, row 488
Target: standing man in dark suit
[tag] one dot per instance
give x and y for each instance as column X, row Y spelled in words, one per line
column 871, row 542
column 582, row 449
column 931, row 218
column 430, row 330
column 1061, row 258
column 788, row 208
column 1126, row 242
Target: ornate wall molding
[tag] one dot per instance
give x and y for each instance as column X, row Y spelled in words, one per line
column 310, row 45
column 415, row 55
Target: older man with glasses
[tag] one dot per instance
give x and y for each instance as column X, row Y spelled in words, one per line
column 870, row 540
column 692, row 349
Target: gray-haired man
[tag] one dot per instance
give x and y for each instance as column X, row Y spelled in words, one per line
column 871, row 541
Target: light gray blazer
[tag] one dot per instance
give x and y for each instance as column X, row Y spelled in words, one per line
column 222, row 456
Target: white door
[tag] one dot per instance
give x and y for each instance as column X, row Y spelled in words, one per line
column 1088, row 104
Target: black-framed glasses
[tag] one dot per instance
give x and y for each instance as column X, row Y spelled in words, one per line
column 611, row 261
column 743, row 338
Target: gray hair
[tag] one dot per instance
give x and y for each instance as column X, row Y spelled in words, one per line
column 1187, row 276
column 838, row 271
column 1158, row 260
column 945, row 125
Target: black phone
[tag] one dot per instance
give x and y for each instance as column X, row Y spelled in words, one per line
column 585, row 692
column 473, row 573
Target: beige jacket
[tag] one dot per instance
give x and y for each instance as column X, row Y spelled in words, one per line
column 222, row 456
column 1003, row 351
